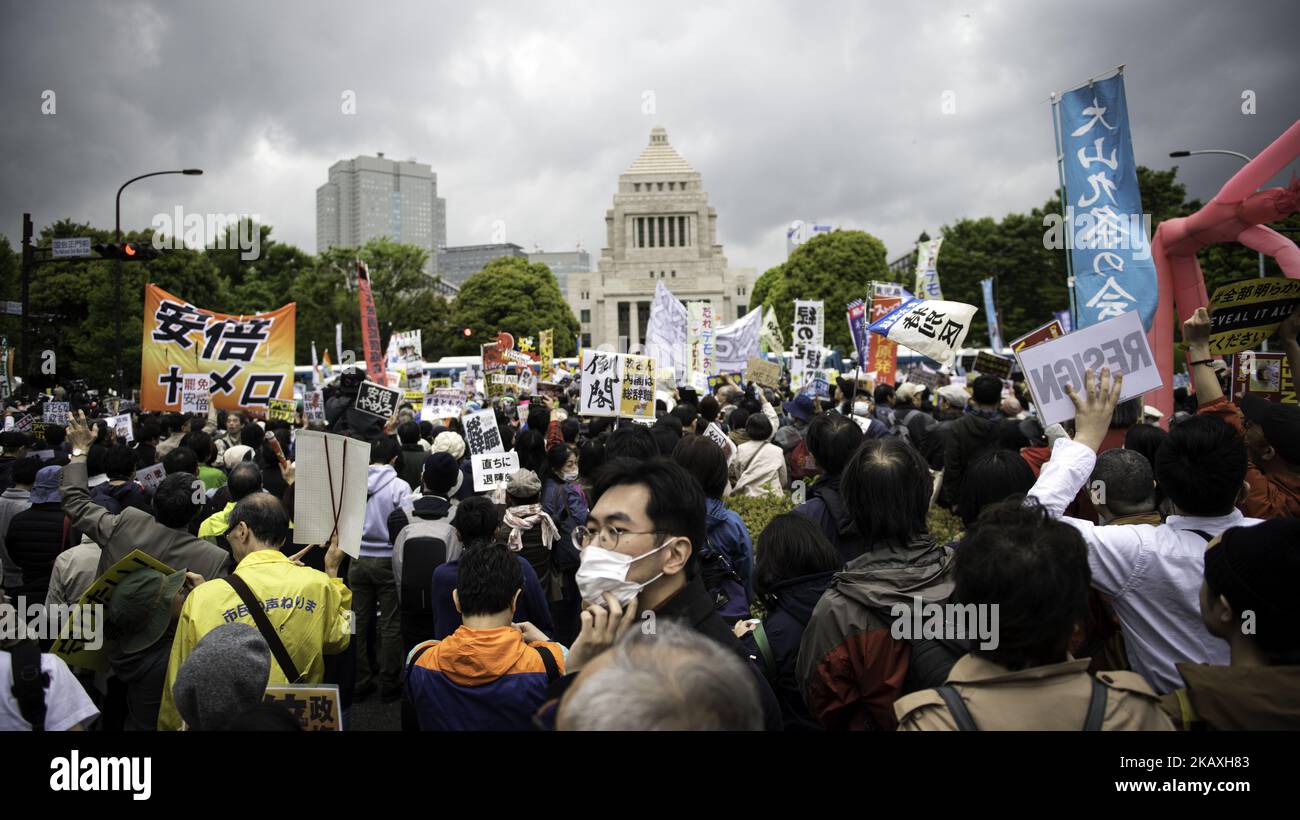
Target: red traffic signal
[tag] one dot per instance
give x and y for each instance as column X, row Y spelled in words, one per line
column 127, row 251
column 468, row 333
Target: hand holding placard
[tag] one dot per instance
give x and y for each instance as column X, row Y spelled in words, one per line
column 1093, row 409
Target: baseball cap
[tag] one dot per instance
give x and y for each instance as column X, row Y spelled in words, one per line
column 141, row 607
column 236, row 454
column 908, row 390
column 1280, row 424
column 954, row 394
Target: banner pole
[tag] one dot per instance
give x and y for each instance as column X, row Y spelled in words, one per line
column 1068, row 224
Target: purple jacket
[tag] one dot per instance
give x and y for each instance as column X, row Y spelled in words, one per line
column 385, row 492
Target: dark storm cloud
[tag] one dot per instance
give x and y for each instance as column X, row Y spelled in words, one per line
column 528, row 112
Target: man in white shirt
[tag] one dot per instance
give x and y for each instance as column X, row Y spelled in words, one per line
column 1154, row 573
column 67, row 706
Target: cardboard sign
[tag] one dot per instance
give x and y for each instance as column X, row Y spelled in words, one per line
column 443, row 403
column 1049, row 331
column 330, row 490
column 415, row 398
column 1119, row 343
column 377, row 400
column 920, row 374
column 481, row 432
column 195, row 393
column 762, row 372
column 151, row 477
column 315, row 707
column 95, row 599
column 438, row 382
column 1263, row 374
column 986, row 364
column 56, row 412
column 1245, row 313
column 122, row 427
column 313, row 406
column 492, row 469
column 282, row 410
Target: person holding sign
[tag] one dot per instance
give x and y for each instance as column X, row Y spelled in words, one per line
column 302, row 613
column 1153, row 574
column 1271, row 430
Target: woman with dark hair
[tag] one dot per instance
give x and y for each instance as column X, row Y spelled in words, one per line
column 565, row 501
column 531, row 447
column 591, row 457
column 851, row 668
column 727, row 533
column 993, row 476
column 795, row 565
column 832, row 439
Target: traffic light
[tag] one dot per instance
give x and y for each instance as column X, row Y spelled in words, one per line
column 468, row 332
column 128, row 251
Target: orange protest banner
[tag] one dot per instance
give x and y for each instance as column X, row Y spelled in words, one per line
column 247, row 360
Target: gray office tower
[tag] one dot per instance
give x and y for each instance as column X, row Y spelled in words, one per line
column 369, row 197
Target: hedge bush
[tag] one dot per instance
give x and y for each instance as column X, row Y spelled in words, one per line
column 757, row 511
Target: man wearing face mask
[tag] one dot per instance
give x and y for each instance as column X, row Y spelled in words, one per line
column 638, row 565
column 302, row 613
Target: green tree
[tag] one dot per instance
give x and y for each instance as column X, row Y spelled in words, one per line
column 836, row 268
column 763, row 284
column 514, row 295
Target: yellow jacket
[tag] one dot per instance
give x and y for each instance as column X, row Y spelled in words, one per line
column 311, row 611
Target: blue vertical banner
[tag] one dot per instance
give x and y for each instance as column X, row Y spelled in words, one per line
column 1105, row 230
column 991, row 310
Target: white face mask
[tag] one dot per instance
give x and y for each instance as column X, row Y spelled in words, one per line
column 571, row 476
column 604, row 571
column 861, row 409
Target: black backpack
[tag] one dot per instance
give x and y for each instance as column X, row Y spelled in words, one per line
column 30, row 683
column 724, row 584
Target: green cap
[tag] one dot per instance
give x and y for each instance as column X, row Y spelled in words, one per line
column 141, row 607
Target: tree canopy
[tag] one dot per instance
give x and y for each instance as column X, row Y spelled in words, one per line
column 514, row 295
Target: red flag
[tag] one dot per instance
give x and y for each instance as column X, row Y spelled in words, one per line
column 370, row 328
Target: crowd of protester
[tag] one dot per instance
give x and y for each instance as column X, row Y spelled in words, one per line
column 1138, row 573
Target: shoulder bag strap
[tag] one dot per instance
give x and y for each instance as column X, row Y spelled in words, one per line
column 1096, row 707
column 264, row 626
column 548, row 660
column 957, row 706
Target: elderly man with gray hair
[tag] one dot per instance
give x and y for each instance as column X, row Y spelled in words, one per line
column 666, row 678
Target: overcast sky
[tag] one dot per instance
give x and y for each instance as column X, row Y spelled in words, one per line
column 529, row 111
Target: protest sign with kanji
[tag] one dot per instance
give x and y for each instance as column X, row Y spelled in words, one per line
column 313, row 406
column 808, row 335
column 150, row 477
column 637, row 393
column 195, row 393
column 602, row 376
column 882, row 354
column 56, row 412
column 930, row 327
column 377, row 400
column 315, row 707
column 1119, row 344
column 282, row 410
column 248, row 360
column 481, row 432
column 1243, row 314
column 714, row 434
column 443, row 403
column 121, row 427
column 492, row 469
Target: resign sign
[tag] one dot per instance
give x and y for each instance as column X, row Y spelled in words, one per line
column 1119, row 343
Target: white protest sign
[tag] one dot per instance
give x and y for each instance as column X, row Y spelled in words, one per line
column 121, row 426
column 313, row 406
column 56, row 412
column 151, row 477
column 482, row 433
column 331, row 476
column 443, row 403
column 195, row 389
column 492, row 469
column 602, row 375
column 1119, row 343
column 714, row 433
column 928, row 326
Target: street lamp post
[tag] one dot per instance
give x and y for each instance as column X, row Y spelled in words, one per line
column 117, row 237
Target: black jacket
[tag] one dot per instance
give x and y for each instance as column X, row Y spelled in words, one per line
column 966, row 438
column 411, row 465
column 145, row 674
column 34, row 540
column 826, row 507
column 115, row 498
column 792, row 605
